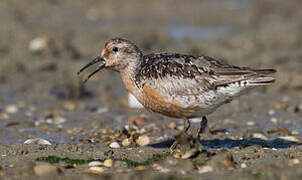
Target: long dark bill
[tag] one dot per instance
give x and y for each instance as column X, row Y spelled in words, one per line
column 98, row 68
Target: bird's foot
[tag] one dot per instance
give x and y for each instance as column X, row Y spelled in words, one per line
column 186, row 146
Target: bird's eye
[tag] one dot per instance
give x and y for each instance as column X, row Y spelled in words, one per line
column 114, row 49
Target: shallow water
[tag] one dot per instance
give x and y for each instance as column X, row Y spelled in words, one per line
column 200, row 32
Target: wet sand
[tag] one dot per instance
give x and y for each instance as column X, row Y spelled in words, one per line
column 44, row 43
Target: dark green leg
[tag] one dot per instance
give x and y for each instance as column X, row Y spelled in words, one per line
column 203, row 126
column 183, row 133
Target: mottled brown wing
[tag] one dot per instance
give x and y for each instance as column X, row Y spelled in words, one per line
column 221, row 73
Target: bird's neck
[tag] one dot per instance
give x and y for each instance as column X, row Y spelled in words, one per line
column 128, row 76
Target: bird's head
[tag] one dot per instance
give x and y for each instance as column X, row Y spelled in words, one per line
column 117, row 55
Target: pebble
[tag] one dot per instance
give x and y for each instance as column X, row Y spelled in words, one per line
column 155, row 165
column 189, row 153
column 59, row 120
column 139, row 121
column 274, row 120
column 95, row 164
column 243, row 165
column 37, row 141
column 4, row 116
column 11, row 109
column 233, row 137
column 293, row 162
column 108, row 163
column 271, row 112
column 69, row 106
column 260, row 136
column 44, row 169
column 177, row 155
column 38, row 44
column 126, row 142
column 250, row 123
column 143, row 140
column 300, row 106
column 95, row 170
column 162, row 169
column 141, row 168
column 277, row 106
column 291, row 138
column 69, row 131
column 229, row 121
column 102, row 110
column 114, row 145
column 172, row 125
column 204, row 169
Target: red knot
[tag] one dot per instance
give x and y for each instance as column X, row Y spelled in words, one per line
column 178, row 85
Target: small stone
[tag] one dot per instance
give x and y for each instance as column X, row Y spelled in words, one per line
column 177, row 155
column 300, row 106
column 172, row 125
column 189, row 153
column 293, row 162
column 11, row 109
column 108, row 163
column 228, row 163
column 274, row 120
column 126, row 142
column 204, row 169
column 4, row 116
column 114, row 145
column 290, row 138
column 229, row 121
column 271, row 112
column 250, row 123
column 69, row 131
column 37, row 141
column 260, row 136
column 139, row 121
column 155, row 165
column 277, row 106
column 95, row 163
column 59, row 120
column 102, row 110
column 233, row 137
column 243, row 165
column 162, row 169
column 95, row 170
column 44, row 169
column 141, row 168
column 38, row 44
column 143, row 140
column 70, row 106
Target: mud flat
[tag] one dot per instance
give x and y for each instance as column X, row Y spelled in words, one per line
column 72, row 131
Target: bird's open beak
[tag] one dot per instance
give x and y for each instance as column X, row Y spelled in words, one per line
column 98, row 59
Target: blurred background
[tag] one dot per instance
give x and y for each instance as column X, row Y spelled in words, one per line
column 43, row 43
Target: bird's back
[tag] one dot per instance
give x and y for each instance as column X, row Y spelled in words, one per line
column 181, row 85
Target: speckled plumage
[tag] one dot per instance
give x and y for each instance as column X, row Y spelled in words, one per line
column 178, row 85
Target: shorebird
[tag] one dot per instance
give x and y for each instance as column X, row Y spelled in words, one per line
column 178, row 85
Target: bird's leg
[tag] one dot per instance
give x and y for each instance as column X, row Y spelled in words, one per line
column 187, row 125
column 203, row 126
column 182, row 136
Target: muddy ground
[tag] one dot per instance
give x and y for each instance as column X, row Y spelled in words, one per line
column 44, row 43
